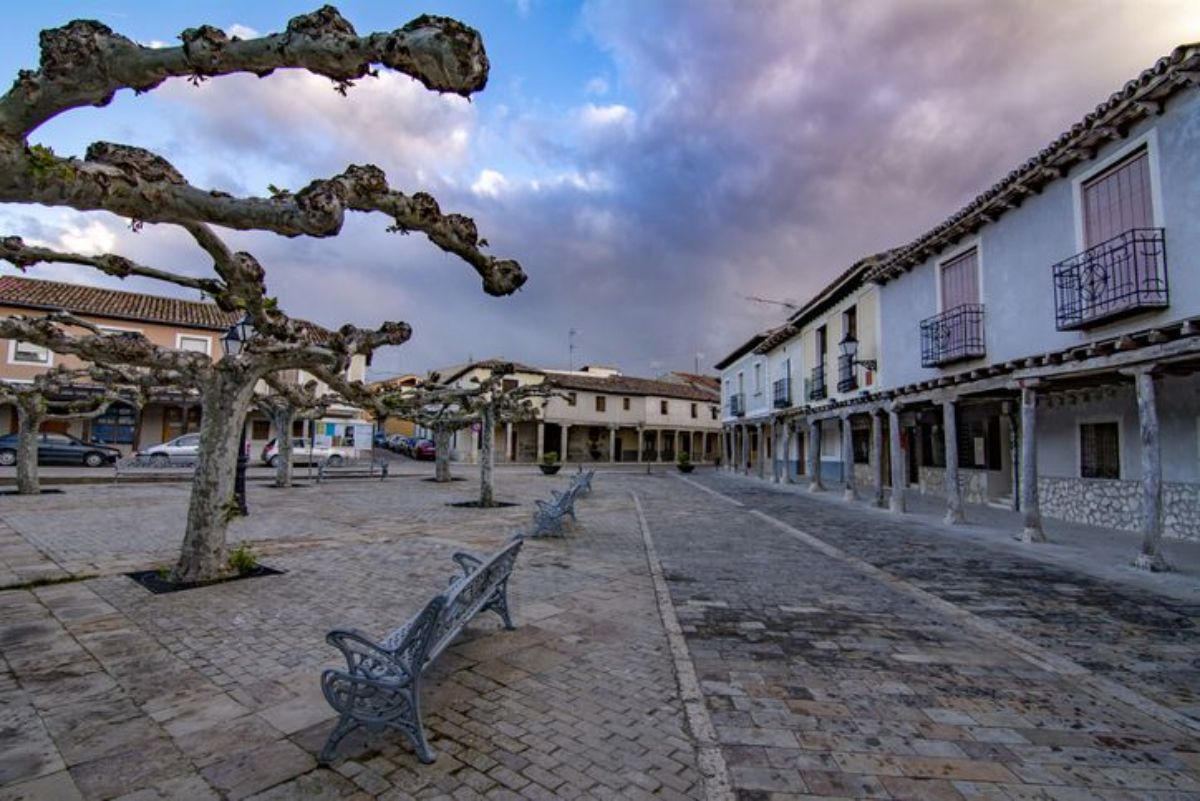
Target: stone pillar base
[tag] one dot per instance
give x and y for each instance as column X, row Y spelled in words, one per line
column 1151, row 564
column 1030, row 534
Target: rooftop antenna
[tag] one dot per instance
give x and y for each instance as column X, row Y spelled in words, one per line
column 787, row 304
column 571, row 348
column 699, row 356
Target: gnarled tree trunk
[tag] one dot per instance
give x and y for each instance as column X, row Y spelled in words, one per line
column 29, row 423
column 487, row 490
column 224, row 403
column 441, row 444
column 284, row 415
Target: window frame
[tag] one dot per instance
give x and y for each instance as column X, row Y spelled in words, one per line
column 601, row 404
column 1148, row 140
column 179, row 337
column 974, row 243
column 12, row 355
column 1080, row 422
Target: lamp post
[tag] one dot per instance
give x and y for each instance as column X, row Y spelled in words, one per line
column 849, row 348
column 232, row 344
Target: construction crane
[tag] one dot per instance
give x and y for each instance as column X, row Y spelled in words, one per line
column 755, row 299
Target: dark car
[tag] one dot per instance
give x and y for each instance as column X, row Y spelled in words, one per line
column 424, row 449
column 61, row 449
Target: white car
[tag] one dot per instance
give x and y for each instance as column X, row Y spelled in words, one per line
column 300, row 453
column 181, row 450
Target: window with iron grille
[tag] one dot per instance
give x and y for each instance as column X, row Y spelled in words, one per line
column 1099, row 450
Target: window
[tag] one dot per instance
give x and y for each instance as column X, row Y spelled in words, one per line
column 960, row 280
column 116, row 425
column 509, row 384
column 663, row 407
column 695, row 411
column 625, row 404
column 860, row 445
column 28, row 353
column 822, row 344
column 850, row 322
column 1099, row 450
column 570, row 398
column 195, row 344
column 1117, row 200
column 260, row 429
column 714, row 412
column 601, row 403
column 758, row 379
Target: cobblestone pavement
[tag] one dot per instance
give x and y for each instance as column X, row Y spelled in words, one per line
column 839, row 653
column 109, row 691
column 826, row 676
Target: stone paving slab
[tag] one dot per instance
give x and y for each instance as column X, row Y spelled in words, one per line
column 824, row 682
column 214, row 693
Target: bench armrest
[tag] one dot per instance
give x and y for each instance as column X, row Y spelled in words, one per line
column 366, row 699
column 364, row 657
column 469, row 562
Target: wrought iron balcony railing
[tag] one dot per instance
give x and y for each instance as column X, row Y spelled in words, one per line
column 1124, row 275
column 847, row 377
column 953, row 336
column 782, row 392
column 737, row 405
column 816, row 384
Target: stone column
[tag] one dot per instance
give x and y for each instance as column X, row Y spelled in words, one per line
column 850, row 492
column 1014, row 454
column 899, row 479
column 612, row 443
column 1151, row 557
column 814, row 456
column 565, row 433
column 762, row 452
column 954, row 506
column 658, row 444
column 541, row 441
column 1031, row 530
column 744, row 462
column 877, row 455
column 790, row 435
column 641, row 434
column 775, row 452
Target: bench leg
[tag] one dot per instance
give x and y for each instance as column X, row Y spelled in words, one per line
column 344, row 726
column 417, row 731
column 499, row 605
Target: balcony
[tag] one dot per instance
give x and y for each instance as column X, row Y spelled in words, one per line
column 816, row 384
column 847, row 378
column 737, row 405
column 1125, row 275
column 782, row 393
column 953, row 336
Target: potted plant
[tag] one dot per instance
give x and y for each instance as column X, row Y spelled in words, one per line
column 684, row 463
column 550, row 464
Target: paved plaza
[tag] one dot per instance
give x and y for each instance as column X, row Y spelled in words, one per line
column 705, row 637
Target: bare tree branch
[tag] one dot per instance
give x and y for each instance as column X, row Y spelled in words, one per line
column 84, row 63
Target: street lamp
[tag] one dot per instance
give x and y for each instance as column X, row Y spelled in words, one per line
column 232, row 344
column 849, row 348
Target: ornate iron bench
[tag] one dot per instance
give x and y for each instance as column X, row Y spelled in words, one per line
column 159, row 469
column 352, row 468
column 549, row 516
column 380, row 687
column 584, row 480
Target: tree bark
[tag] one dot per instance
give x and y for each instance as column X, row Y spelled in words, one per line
column 487, row 490
column 29, row 424
column 284, row 415
column 441, row 444
column 224, row 402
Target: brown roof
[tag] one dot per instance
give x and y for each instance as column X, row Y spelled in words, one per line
column 709, row 381
column 1144, row 96
column 116, row 304
column 627, row 385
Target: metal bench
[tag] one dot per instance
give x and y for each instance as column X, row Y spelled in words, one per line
column 159, row 469
column 380, row 687
column 584, row 479
column 549, row 516
column 352, row 468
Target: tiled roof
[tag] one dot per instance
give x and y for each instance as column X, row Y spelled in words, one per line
column 1144, row 96
column 116, row 304
column 709, row 381
column 627, row 385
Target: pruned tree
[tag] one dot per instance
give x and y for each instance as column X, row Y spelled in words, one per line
column 58, row 394
column 286, row 402
column 85, row 63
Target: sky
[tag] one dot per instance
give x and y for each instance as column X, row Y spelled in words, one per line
column 649, row 162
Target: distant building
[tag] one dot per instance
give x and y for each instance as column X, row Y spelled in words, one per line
column 397, row 425
column 167, row 322
column 604, row 417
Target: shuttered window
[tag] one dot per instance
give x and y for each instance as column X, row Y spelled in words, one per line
column 1117, row 200
column 960, row 280
column 1099, row 450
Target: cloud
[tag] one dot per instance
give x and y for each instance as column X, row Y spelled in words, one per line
column 242, row 31
column 596, row 86
column 490, row 183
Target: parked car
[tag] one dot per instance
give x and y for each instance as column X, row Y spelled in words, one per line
column 380, row 439
column 400, row 443
column 424, row 449
column 301, row 453
column 181, row 450
column 56, row 448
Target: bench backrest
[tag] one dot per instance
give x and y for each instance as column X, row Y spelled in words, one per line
column 470, row 594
